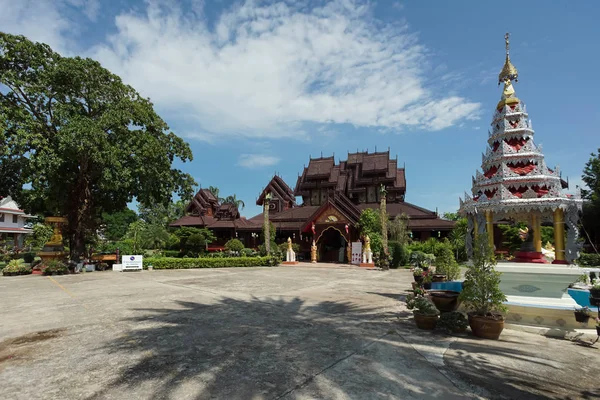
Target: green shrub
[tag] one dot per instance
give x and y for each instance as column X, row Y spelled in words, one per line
column 481, row 289
column 445, row 262
column 399, row 253
column 248, row 253
column 284, row 246
column 172, row 253
column 274, row 249
column 55, row 267
column 14, row 267
column 101, row 266
column 224, row 262
column 28, row 257
column 234, row 245
column 421, row 260
column 589, row 260
column 452, row 322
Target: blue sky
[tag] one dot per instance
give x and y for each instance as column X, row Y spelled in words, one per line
column 256, row 87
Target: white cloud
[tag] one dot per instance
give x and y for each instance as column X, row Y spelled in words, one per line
column 257, row 160
column 39, row 20
column 398, row 6
column 263, row 69
column 47, row 21
column 266, row 69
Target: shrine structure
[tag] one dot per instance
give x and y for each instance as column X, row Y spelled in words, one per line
column 515, row 184
column 324, row 224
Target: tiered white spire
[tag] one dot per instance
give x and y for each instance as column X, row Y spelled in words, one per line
column 513, row 169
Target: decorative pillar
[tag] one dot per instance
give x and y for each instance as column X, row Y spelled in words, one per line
column 266, row 223
column 489, row 226
column 559, row 237
column 536, row 224
column 384, row 218
column 476, row 227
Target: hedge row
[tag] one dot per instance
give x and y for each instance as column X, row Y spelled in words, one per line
column 589, row 260
column 187, row 263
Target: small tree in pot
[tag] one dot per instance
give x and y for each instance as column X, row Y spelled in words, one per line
column 481, row 292
column 425, row 313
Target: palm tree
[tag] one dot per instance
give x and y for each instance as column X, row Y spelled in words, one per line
column 215, row 191
column 235, row 201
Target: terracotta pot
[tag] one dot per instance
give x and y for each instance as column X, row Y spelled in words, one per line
column 438, row 278
column 486, row 327
column 445, row 300
column 581, row 317
column 425, row 321
column 418, row 278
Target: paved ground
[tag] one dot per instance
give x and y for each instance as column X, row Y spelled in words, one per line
column 260, row 333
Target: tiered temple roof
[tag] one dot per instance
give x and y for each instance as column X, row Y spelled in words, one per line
column 357, row 178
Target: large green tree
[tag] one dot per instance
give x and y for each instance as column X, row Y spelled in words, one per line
column 591, row 210
column 115, row 224
column 83, row 141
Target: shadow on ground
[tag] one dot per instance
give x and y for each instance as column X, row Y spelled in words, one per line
column 547, row 369
column 236, row 349
column 265, row 348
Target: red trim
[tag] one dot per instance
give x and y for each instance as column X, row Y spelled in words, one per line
column 11, row 209
column 9, row 230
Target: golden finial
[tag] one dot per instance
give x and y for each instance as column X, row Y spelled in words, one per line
column 509, row 72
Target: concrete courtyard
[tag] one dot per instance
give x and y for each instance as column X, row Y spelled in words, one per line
column 302, row 332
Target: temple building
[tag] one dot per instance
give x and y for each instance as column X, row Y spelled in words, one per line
column 13, row 223
column 515, row 184
column 333, row 197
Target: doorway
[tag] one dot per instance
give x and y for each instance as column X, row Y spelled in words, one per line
column 332, row 246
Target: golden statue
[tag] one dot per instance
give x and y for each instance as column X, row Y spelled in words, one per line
column 313, row 252
column 367, row 243
column 289, row 243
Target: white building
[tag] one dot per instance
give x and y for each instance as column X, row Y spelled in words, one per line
column 13, row 222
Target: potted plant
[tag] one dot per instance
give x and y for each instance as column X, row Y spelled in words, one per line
column 15, row 268
column 418, row 274
column 427, row 278
column 583, row 314
column 481, row 292
column 595, row 289
column 445, row 300
column 424, row 311
column 56, row 267
column 453, row 322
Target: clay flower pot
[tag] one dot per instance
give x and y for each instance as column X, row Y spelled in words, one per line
column 438, row 278
column 486, row 327
column 445, row 300
column 425, row 321
column 581, row 317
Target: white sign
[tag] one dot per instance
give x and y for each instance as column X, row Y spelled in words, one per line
column 132, row 263
column 356, row 252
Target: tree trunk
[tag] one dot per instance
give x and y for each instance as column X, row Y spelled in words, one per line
column 79, row 214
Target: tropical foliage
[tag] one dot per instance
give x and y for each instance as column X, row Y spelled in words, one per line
column 481, row 289
column 83, row 141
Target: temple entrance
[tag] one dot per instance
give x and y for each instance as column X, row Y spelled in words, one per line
column 332, row 246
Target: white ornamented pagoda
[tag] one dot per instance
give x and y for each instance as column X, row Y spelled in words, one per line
column 516, row 185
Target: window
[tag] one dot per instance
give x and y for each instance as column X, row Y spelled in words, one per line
column 15, row 219
column 1, row 217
